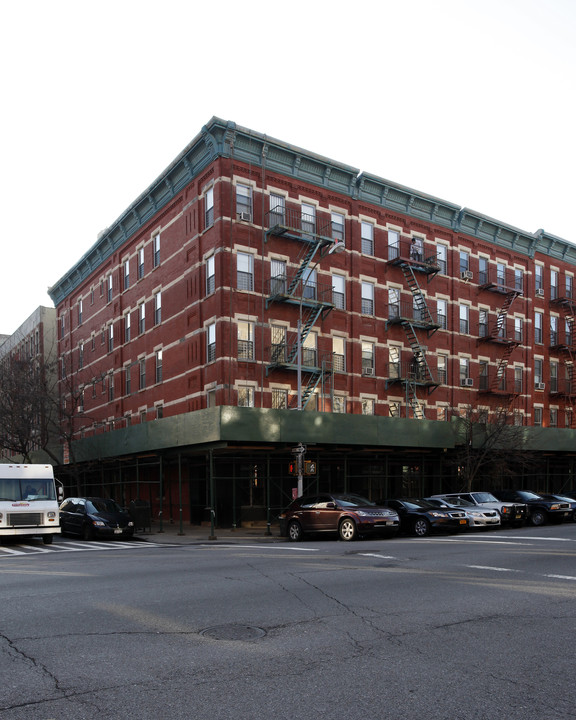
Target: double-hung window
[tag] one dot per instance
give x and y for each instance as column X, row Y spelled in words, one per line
column 245, row 271
column 553, row 284
column 518, row 329
column 553, row 330
column 158, row 308
column 309, row 284
column 209, row 208
column 308, row 219
column 338, row 354
column 278, row 277
column 245, row 396
column 393, row 244
column 538, row 281
column 141, row 318
column 126, row 281
column 464, row 322
column 210, row 275
column 338, row 227
column 367, row 298
column 464, row 370
column 538, row 324
column 279, row 398
column 442, row 368
column 211, row 342
column 367, row 358
column 128, row 380
column 142, row 373
column 483, row 323
column 442, row 258
column 519, row 279
column 568, row 282
column 110, row 337
column 244, row 202
column 245, row 340
column 338, row 291
column 156, row 249
column 277, row 211
column 553, row 376
column 158, row 366
column 464, row 261
column 538, row 371
column 140, row 263
column 127, row 328
column 367, row 237
column 109, row 288
column 482, row 270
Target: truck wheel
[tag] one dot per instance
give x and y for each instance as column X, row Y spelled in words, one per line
column 538, row 517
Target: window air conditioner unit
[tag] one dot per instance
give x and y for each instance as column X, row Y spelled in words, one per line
column 467, row 275
column 367, row 371
column 467, row 382
column 540, row 386
column 246, row 216
column 540, row 292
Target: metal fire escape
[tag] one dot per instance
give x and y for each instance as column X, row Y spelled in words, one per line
column 566, row 386
column 414, row 316
column 299, row 289
column 496, row 382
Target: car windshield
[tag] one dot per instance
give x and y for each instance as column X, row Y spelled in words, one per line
column 30, row 489
column 484, row 497
column 527, row 495
column 413, row 504
column 352, row 500
column 460, row 502
column 98, row 505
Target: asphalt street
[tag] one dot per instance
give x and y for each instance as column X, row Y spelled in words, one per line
column 474, row 626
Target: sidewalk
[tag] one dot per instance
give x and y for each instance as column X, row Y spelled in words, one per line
column 170, row 534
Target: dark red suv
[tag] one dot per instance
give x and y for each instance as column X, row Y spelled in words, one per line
column 343, row 513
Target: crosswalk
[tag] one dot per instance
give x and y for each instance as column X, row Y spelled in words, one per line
column 38, row 548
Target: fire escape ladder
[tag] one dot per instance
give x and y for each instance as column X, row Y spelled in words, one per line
column 309, row 322
column 503, row 313
column 501, row 369
column 423, row 369
column 417, row 294
column 417, row 409
column 311, row 385
column 302, row 269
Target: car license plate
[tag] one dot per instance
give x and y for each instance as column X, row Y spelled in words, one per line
column 518, row 516
column 117, row 531
column 463, row 522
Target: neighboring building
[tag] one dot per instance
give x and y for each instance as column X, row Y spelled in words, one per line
column 35, row 345
column 186, row 312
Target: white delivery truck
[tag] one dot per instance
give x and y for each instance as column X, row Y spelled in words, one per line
column 29, row 501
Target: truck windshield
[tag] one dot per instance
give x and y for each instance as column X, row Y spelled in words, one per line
column 17, row 489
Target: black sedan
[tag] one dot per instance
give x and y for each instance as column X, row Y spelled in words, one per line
column 347, row 514
column 93, row 517
column 419, row 517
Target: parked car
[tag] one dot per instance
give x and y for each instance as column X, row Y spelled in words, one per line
column 347, row 514
column 92, row 517
column 563, row 498
column 477, row 516
column 540, row 510
column 419, row 517
column 513, row 514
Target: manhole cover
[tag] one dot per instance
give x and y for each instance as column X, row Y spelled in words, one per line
column 233, row 632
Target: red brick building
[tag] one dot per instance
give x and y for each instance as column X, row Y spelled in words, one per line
column 247, row 254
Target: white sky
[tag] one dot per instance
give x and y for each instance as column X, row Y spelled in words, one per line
column 469, row 100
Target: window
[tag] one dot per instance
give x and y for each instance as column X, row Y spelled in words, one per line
column 553, row 376
column 464, row 261
column 81, row 355
column 482, row 271
column 339, row 405
column 518, row 380
column 278, row 277
column 309, row 350
column 394, row 409
column 483, row 323
column 80, row 311
column 62, row 325
column 244, row 202
column 142, row 373
column 140, row 263
column 519, row 279
column 158, row 366
column 128, row 380
column 442, row 258
column 538, row 371
column 553, row 284
column 245, row 340
column 337, row 227
column 211, row 342
column 416, row 249
column 110, row 387
column 309, row 284
column 501, row 274
column 538, row 416
column 367, row 358
column 308, row 218
column 277, row 210
column 393, row 303
column 279, row 399
column 210, row 275
column 209, row 208
column 367, row 298
column 393, row 244
column 156, row 249
column 246, row 397
column 338, row 291
column 393, row 362
column 126, row 281
column 158, row 308
column 538, row 271
column 159, row 412
column 442, row 313
column 464, row 370
column 367, row 405
column 568, row 286
column 127, row 327
column 464, row 323
column 141, row 318
column 367, row 237
column 553, row 330
column 538, row 336
column 568, row 331
column 338, row 354
column 245, row 271
column 518, row 329
column 442, row 365
column 109, row 289
column 553, row 417
column 278, row 345
column 110, row 337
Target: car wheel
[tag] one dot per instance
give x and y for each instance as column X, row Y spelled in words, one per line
column 347, row 530
column 88, row 533
column 295, row 531
column 538, row 517
column 47, row 539
column 421, row 527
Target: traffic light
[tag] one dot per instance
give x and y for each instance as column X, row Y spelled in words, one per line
column 309, row 467
column 293, row 468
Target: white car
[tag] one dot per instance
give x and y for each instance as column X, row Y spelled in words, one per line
column 477, row 516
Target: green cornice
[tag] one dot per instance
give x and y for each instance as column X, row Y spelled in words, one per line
column 221, row 138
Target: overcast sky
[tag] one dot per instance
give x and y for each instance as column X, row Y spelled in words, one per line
column 472, row 101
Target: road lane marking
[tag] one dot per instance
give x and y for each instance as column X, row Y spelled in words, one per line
column 561, row 577
column 260, row 547
column 377, row 555
column 494, row 569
